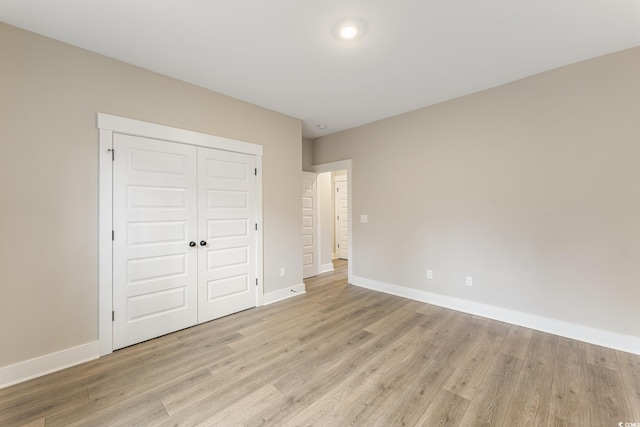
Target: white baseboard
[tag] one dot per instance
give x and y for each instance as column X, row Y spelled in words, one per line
column 325, row 268
column 282, row 294
column 627, row 343
column 39, row 366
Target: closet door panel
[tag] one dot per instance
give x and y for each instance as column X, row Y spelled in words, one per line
column 226, row 227
column 154, row 220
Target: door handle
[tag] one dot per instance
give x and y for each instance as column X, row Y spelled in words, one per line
column 192, row 244
column 203, row 243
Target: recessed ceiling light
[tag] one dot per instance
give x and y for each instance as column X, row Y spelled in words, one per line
column 348, row 32
column 349, row 29
column 322, row 126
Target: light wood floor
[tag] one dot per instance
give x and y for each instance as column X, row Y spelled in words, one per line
column 337, row 356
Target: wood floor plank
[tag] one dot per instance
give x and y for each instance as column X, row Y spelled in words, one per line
column 325, row 358
column 231, row 415
column 571, row 343
column 372, row 408
column 492, row 402
column 39, row 405
column 607, row 398
column 146, row 414
column 361, row 316
column 236, row 369
column 40, row 422
column 554, row 421
column 155, row 373
column 496, row 327
column 470, row 373
column 532, row 397
column 429, row 309
column 414, row 399
column 446, row 320
column 390, row 321
column 516, row 342
column 213, row 346
column 347, row 399
column 386, row 336
column 630, row 370
column 570, row 386
column 464, row 339
column 304, row 386
column 141, row 399
column 602, row 356
column 446, row 410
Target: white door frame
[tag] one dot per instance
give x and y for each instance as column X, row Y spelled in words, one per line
column 333, row 167
column 107, row 126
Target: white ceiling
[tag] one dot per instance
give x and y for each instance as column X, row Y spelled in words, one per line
column 282, row 55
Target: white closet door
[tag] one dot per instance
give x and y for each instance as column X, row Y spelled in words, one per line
column 309, row 229
column 155, row 220
column 227, row 234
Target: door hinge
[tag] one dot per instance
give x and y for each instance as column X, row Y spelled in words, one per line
column 113, row 235
column 338, row 245
column 113, row 316
column 113, row 154
column 338, row 217
column 256, row 226
column 338, row 189
column 256, row 282
column 256, row 171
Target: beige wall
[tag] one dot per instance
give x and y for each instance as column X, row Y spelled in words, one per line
column 306, row 154
column 532, row 188
column 50, row 94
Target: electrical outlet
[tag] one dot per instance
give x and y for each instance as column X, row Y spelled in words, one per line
column 429, row 274
column 469, row 281
column 283, row 272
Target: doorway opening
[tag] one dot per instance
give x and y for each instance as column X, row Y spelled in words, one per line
column 334, row 215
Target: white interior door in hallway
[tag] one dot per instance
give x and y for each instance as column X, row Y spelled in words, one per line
column 342, row 217
column 184, row 245
column 309, row 226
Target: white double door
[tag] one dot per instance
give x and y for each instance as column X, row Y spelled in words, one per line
column 184, row 246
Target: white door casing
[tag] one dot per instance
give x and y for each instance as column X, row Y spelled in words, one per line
column 309, row 226
column 342, row 217
column 227, row 227
column 155, row 218
column 112, row 128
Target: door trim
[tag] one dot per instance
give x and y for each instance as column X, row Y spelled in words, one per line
column 108, row 125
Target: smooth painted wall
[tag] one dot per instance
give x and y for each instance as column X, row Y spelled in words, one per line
column 306, row 154
column 531, row 188
column 50, row 94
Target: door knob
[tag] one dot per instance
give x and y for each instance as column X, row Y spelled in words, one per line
column 203, row 243
column 192, row 244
